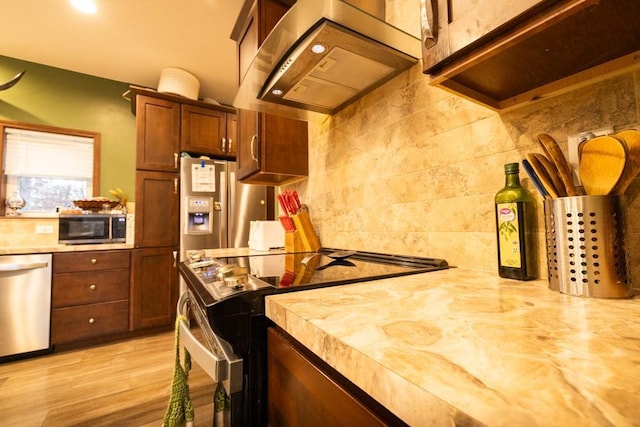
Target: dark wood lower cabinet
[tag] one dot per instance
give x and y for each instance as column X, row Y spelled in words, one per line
column 154, row 288
column 73, row 324
column 90, row 296
column 304, row 390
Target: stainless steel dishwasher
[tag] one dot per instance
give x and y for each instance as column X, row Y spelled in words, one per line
column 25, row 304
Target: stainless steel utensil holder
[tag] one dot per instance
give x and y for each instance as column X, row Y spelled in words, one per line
column 586, row 248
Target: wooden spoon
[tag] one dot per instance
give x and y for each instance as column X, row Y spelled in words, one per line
column 601, row 164
column 535, row 179
column 552, row 173
column 553, row 152
column 541, row 173
column 632, row 167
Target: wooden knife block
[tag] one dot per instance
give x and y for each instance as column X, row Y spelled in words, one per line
column 293, row 242
column 304, row 238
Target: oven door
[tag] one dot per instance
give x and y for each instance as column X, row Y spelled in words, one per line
column 215, row 357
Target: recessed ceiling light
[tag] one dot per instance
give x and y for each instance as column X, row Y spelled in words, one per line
column 276, row 92
column 318, row 48
column 85, row 6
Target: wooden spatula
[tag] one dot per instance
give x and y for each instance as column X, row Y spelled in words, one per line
column 601, row 164
column 553, row 152
column 542, row 175
column 632, row 167
column 552, row 173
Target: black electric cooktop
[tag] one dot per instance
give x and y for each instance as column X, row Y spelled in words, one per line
column 285, row 272
column 232, row 304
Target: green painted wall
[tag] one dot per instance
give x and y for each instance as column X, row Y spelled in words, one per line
column 56, row 97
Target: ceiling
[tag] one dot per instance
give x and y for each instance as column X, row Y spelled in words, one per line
column 129, row 41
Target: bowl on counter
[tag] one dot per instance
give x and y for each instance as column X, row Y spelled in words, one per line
column 95, row 205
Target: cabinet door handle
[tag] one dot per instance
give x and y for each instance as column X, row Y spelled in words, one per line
column 223, row 144
column 92, row 287
column 175, row 160
column 229, row 148
column 94, row 261
column 175, row 185
column 429, row 22
column 254, row 140
column 92, row 321
column 175, row 258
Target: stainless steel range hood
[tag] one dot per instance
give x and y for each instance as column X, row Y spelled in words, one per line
column 360, row 53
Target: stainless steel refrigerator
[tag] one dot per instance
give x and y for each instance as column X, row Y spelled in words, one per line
column 215, row 209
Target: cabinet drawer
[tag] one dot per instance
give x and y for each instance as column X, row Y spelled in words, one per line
column 90, row 261
column 90, row 287
column 88, row 321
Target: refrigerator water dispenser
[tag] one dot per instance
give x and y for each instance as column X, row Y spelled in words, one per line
column 199, row 215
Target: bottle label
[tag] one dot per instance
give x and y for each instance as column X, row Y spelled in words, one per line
column 508, row 235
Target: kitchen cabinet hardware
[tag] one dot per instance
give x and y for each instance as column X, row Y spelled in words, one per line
column 92, row 287
column 92, row 321
column 428, row 20
column 254, row 140
column 94, row 261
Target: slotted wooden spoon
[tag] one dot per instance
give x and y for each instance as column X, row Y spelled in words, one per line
column 602, row 162
column 632, row 167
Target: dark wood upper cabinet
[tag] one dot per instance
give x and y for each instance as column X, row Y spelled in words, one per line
column 271, row 150
column 168, row 124
column 504, row 56
column 158, row 134
column 207, row 131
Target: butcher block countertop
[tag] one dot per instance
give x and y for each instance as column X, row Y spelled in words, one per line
column 466, row 347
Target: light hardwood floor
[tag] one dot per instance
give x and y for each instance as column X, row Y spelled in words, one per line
column 122, row 384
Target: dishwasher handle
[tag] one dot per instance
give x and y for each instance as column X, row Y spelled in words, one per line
column 23, row 267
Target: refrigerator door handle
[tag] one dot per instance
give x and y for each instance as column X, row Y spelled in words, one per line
column 224, row 217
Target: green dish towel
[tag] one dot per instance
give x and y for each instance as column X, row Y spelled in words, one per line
column 180, row 409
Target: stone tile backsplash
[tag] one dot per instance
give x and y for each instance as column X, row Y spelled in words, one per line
column 413, row 169
column 28, row 232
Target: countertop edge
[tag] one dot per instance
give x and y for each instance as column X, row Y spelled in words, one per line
column 494, row 351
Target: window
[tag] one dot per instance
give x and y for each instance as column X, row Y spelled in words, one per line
column 48, row 167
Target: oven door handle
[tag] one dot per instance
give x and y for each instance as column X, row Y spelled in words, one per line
column 226, row 369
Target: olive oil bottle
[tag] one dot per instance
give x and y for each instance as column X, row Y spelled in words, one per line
column 515, row 227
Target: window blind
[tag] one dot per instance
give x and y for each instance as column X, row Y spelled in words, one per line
column 36, row 154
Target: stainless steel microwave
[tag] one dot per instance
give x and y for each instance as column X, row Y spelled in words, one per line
column 92, row 228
